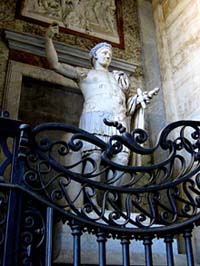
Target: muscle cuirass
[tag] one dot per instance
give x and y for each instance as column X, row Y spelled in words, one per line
column 103, row 98
column 102, row 93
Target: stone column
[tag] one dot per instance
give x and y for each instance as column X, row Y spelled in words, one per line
column 156, row 111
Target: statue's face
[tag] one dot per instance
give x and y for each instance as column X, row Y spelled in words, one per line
column 104, row 56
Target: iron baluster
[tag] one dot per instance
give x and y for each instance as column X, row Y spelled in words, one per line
column 101, row 239
column 76, row 232
column 169, row 250
column 49, row 233
column 147, row 242
column 125, row 250
column 188, row 245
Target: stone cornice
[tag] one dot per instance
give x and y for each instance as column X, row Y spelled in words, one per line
column 67, row 54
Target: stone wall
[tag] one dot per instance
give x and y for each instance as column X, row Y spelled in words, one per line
column 178, row 31
column 155, row 111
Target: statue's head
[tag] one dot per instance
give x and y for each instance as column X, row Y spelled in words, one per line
column 100, row 47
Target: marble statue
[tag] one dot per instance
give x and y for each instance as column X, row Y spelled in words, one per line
column 105, row 96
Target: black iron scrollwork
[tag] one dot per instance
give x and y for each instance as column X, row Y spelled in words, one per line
column 111, row 193
column 3, row 217
column 6, row 168
column 32, row 235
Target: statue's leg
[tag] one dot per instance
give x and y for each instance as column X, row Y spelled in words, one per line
column 91, row 194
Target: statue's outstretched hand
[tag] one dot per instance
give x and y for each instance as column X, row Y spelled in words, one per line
column 143, row 98
column 52, row 30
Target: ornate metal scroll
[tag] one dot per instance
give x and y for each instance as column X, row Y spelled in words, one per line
column 32, row 234
column 155, row 198
column 3, row 216
column 6, row 159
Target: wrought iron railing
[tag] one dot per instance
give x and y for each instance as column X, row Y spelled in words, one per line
column 43, row 179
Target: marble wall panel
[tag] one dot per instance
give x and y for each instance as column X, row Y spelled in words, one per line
column 178, row 38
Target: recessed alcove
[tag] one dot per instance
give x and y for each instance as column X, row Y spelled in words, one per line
column 36, row 95
column 42, row 101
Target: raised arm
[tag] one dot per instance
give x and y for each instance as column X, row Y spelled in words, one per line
column 52, row 57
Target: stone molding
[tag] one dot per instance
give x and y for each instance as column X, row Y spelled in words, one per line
column 67, row 54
